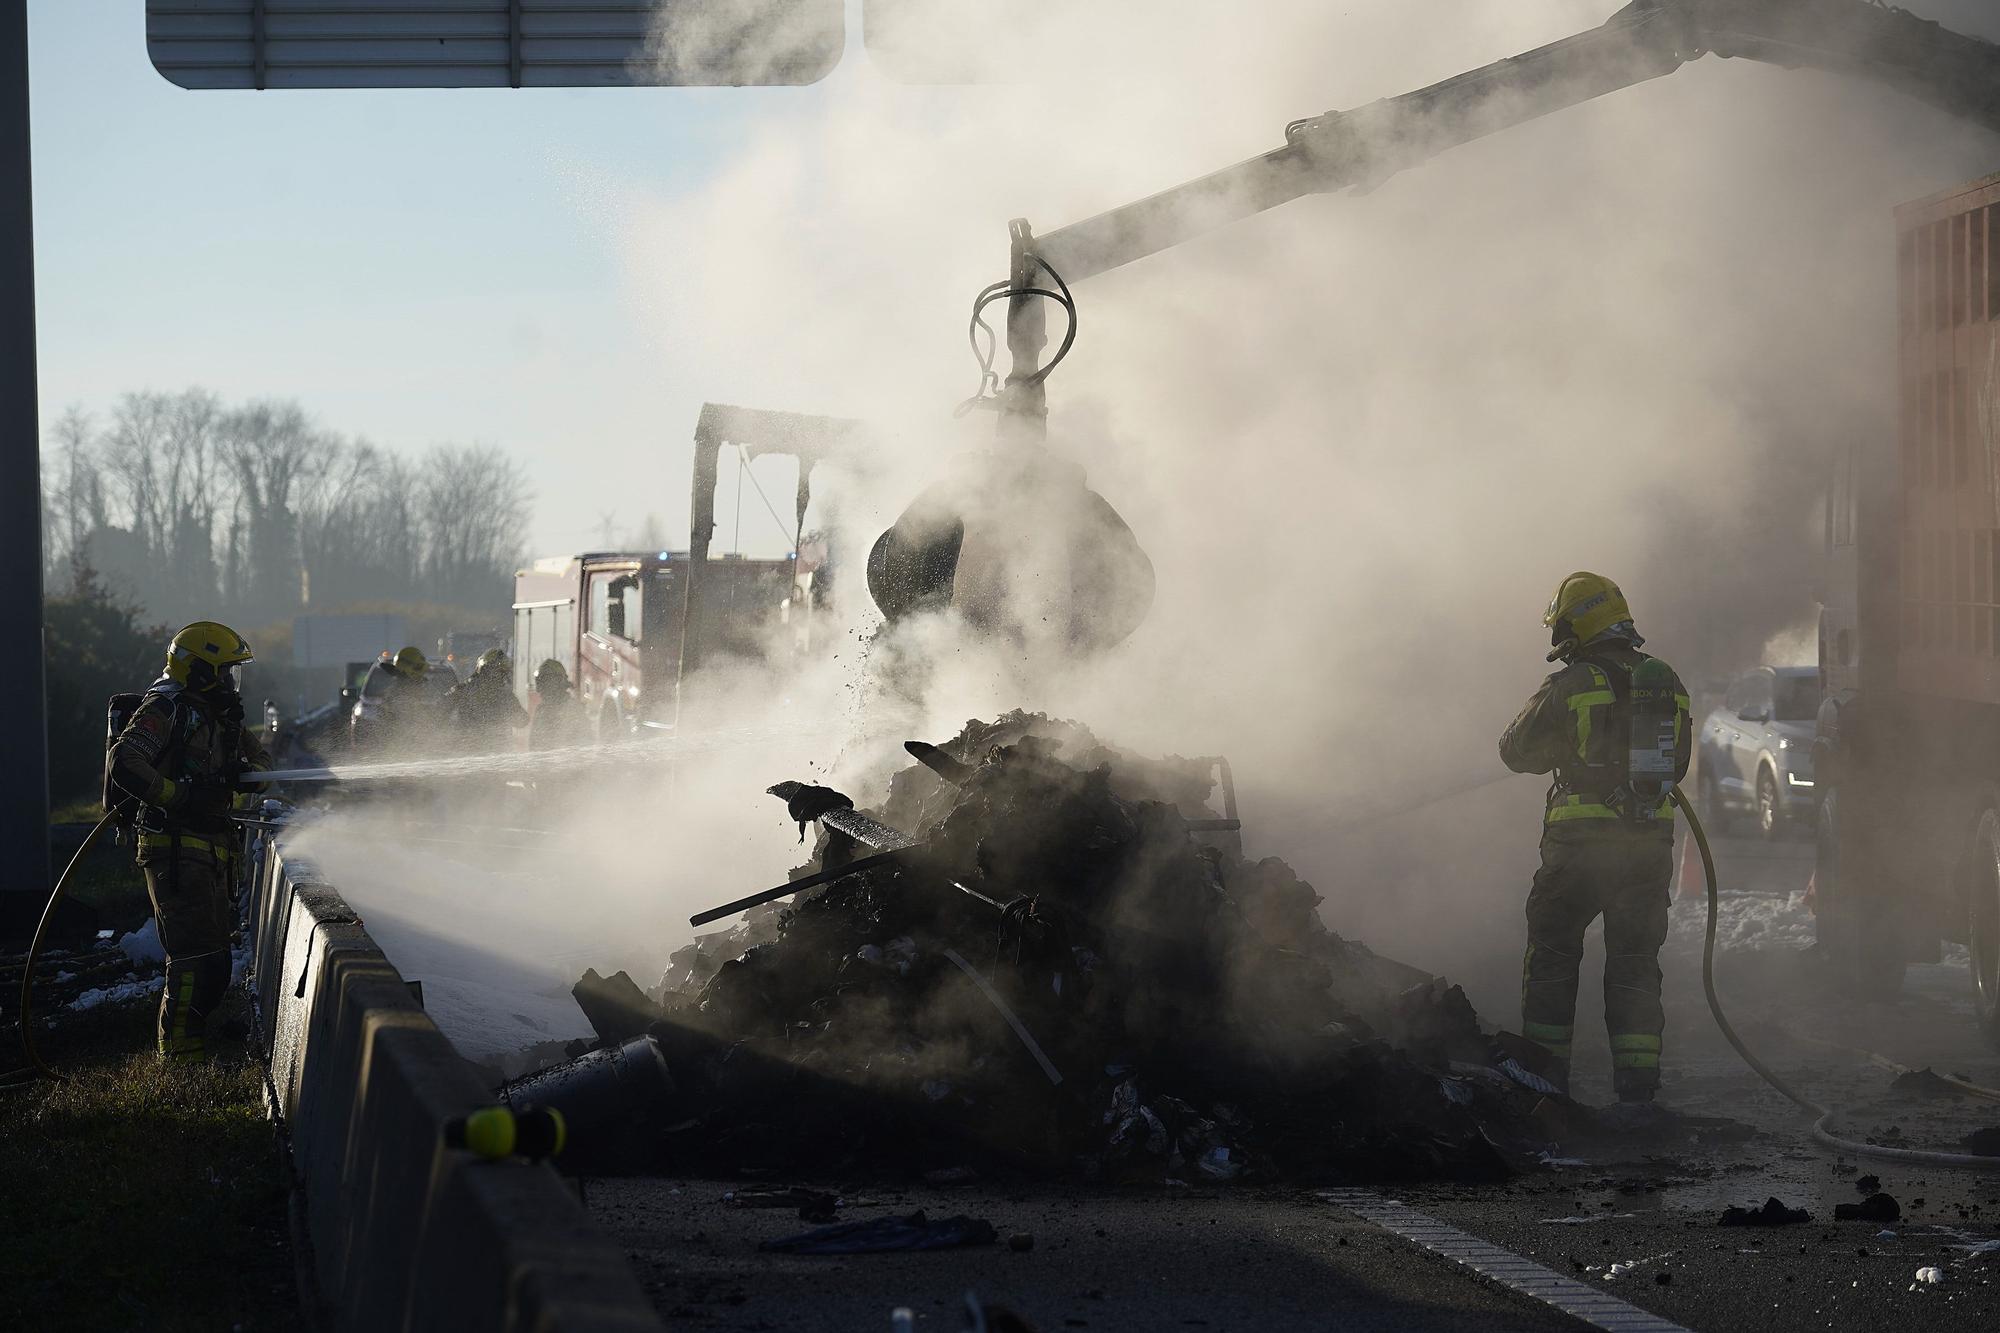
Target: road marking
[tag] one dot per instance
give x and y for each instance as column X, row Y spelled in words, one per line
column 1577, row 1299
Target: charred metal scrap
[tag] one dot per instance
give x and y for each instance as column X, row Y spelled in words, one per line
column 1066, row 966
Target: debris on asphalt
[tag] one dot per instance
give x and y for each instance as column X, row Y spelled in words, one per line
column 1877, row 1207
column 812, row 1205
column 613, row 1100
column 951, row 1175
column 1069, row 966
column 1922, row 1083
column 614, row 1006
column 1983, row 1142
column 690, row 966
column 1867, row 1184
column 1021, row 1242
column 887, row 1235
column 1929, row 1277
column 1773, row 1213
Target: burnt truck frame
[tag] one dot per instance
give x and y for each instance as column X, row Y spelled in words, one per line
column 1908, row 739
column 632, row 628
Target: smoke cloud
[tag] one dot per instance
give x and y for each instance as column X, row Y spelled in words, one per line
column 1361, row 437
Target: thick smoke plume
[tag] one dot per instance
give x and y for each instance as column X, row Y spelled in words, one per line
column 1362, row 436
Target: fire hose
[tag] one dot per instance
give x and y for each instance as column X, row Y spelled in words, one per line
column 36, row 1065
column 1823, row 1115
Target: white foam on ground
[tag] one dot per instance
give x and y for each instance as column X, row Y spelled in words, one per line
column 143, row 945
column 455, row 926
column 118, row 994
column 1742, row 921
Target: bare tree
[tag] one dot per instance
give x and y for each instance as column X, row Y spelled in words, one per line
column 133, row 445
column 191, row 479
column 273, row 451
column 190, row 508
column 359, row 536
column 473, row 501
column 73, row 497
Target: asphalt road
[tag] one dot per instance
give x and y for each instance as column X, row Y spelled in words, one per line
column 1246, row 1259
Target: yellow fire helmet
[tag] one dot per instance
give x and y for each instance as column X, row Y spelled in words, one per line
column 205, row 655
column 1585, row 605
column 410, row 662
column 492, row 657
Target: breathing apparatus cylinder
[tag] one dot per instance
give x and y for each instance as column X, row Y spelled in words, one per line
column 1653, row 747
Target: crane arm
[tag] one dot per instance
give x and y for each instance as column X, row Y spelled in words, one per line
column 1645, row 40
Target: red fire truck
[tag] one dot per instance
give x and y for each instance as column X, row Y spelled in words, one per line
column 1909, row 811
column 631, row 627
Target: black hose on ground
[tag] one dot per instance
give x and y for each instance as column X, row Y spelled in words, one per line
column 35, row 1063
column 1823, row 1115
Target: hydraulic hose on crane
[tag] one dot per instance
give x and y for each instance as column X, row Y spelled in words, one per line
column 1823, row 1115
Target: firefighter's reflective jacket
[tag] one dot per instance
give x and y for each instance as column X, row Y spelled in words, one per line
column 178, row 739
column 1577, row 727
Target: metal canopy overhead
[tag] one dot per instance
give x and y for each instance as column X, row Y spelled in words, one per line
column 492, row 43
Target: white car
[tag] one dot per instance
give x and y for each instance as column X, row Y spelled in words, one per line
column 1754, row 752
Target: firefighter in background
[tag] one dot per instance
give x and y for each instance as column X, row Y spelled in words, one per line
column 1605, row 849
column 557, row 721
column 180, row 757
column 407, row 716
column 483, row 712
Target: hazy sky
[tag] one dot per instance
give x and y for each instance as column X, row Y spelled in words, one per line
column 412, row 266
column 551, row 271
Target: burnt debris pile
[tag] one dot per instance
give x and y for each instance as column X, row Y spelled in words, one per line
column 1051, row 955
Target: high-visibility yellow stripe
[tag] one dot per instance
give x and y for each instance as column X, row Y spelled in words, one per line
column 1635, row 1059
column 1581, row 703
column 178, row 1042
column 1580, row 810
column 1634, row 1041
column 1575, row 807
column 1551, row 1037
column 164, row 840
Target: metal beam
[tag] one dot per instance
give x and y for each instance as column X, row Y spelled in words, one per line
column 24, row 777
column 805, row 437
column 489, row 43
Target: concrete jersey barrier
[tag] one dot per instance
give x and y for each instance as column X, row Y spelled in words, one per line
column 406, row 1233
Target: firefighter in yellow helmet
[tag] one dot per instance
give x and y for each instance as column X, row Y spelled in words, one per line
column 180, row 758
column 483, row 712
column 557, row 720
column 400, row 718
column 1606, row 848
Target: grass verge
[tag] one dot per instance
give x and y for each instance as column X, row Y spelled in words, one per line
column 141, row 1195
